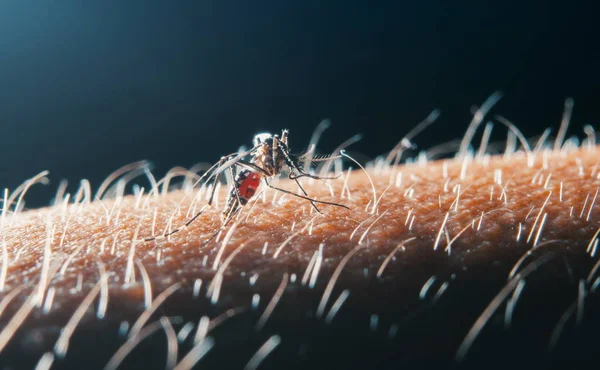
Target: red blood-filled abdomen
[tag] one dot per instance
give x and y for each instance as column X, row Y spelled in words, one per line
column 247, row 186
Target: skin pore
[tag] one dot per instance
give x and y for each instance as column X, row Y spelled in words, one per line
column 473, row 260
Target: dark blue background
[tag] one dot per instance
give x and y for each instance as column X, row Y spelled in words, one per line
column 87, row 86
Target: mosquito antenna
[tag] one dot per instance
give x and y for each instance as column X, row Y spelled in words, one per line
column 325, row 158
column 293, row 165
column 323, row 125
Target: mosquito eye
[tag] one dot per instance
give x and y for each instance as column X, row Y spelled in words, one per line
column 261, row 138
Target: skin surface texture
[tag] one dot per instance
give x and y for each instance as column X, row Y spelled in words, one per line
column 458, row 262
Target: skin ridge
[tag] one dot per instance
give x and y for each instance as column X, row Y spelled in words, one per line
column 427, row 296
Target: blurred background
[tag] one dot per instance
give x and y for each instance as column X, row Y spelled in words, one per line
column 88, row 86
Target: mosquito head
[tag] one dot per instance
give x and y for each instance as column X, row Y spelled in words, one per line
column 262, row 138
column 271, row 152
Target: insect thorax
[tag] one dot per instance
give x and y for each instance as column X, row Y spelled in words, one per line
column 264, row 157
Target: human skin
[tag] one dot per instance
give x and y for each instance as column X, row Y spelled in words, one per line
column 427, row 272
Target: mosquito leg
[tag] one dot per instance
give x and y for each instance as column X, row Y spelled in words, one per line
column 253, row 167
column 305, row 193
column 212, row 168
column 231, row 216
column 237, row 193
column 233, row 200
column 304, row 197
column 275, row 151
column 265, row 174
column 179, row 228
column 210, row 173
column 216, row 175
column 304, row 174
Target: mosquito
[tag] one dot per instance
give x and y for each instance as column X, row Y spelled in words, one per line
column 268, row 158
